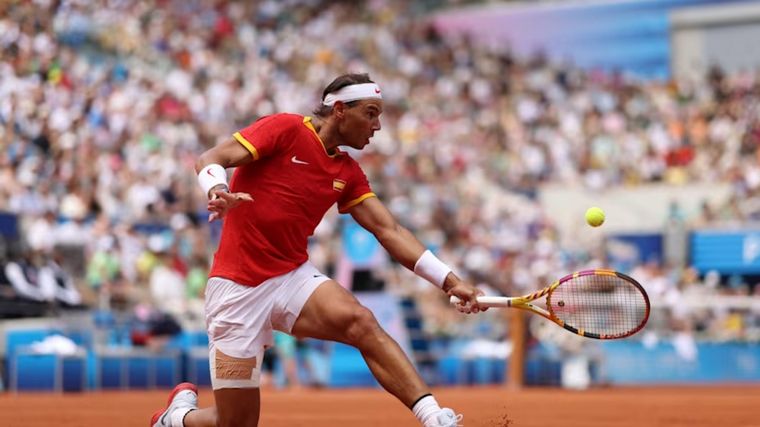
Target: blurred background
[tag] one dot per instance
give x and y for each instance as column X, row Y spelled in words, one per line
column 503, row 123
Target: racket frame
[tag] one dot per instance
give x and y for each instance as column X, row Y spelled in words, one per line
column 524, row 303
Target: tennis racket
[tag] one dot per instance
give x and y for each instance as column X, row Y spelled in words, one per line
column 601, row 304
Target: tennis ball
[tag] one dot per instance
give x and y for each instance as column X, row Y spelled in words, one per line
column 594, row 216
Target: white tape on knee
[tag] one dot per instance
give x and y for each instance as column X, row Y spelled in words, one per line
column 234, row 372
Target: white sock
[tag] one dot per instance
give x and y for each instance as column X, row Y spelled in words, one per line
column 425, row 410
column 178, row 416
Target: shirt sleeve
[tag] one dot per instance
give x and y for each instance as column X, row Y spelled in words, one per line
column 355, row 190
column 261, row 138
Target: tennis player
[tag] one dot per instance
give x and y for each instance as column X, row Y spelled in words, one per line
column 289, row 172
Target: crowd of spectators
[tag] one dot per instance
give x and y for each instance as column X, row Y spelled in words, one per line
column 105, row 104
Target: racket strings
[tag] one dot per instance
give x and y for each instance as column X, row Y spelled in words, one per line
column 606, row 305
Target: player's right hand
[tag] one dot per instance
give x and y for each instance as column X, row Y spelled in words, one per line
column 222, row 201
column 466, row 292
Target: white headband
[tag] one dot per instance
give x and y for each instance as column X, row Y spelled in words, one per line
column 353, row 93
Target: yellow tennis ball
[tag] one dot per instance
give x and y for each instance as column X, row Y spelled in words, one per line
column 594, row 216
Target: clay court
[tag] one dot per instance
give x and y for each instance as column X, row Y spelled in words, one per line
column 734, row 406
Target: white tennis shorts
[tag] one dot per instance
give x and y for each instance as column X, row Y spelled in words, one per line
column 240, row 320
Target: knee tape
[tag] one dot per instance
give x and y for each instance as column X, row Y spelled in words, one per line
column 234, row 372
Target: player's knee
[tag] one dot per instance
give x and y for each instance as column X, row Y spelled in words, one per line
column 234, row 372
column 362, row 326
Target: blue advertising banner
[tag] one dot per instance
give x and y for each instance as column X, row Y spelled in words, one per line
column 625, row 251
column 632, row 362
column 728, row 252
column 359, row 245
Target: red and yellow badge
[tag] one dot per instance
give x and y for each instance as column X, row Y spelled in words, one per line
column 339, row 184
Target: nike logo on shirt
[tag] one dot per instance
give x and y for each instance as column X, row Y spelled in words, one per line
column 300, row 162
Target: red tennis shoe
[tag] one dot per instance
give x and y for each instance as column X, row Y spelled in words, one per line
column 183, row 396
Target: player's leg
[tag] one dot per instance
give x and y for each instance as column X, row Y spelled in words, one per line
column 332, row 313
column 228, row 402
column 240, row 407
column 239, row 327
column 236, row 391
column 237, row 407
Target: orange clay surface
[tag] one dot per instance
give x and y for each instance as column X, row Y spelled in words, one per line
column 713, row 406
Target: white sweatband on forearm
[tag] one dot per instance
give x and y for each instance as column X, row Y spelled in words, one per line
column 432, row 269
column 211, row 176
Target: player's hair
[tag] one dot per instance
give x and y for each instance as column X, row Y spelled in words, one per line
column 339, row 83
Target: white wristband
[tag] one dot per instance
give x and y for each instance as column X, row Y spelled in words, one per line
column 432, row 269
column 211, row 176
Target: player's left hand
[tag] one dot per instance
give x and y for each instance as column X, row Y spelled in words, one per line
column 223, row 201
column 466, row 292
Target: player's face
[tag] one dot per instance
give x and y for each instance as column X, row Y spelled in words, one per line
column 361, row 121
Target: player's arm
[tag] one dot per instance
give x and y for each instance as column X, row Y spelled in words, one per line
column 212, row 176
column 406, row 249
column 228, row 154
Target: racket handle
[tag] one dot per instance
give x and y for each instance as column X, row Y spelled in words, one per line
column 487, row 301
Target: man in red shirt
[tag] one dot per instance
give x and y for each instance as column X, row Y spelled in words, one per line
column 289, row 172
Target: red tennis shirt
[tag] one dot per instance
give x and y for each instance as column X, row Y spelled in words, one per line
column 293, row 181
